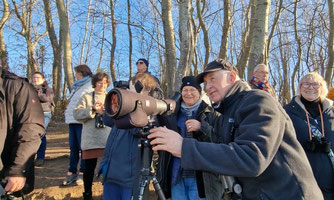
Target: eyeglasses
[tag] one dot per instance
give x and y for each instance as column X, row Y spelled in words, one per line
column 192, row 90
column 315, row 85
column 139, row 62
column 263, row 72
column 101, row 83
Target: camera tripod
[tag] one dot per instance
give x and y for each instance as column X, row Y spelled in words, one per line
column 146, row 173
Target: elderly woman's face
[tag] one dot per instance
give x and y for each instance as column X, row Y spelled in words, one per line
column 310, row 90
column 190, row 95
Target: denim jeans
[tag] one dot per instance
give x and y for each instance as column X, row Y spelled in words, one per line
column 112, row 191
column 42, row 147
column 75, row 148
column 184, row 189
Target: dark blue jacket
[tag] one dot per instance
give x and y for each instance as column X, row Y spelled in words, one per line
column 120, row 163
column 261, row 150
column 320, row 162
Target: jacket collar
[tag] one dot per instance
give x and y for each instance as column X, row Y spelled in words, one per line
column 232, row 95
column 326, row 103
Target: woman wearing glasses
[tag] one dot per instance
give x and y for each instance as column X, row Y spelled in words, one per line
column 312, row 115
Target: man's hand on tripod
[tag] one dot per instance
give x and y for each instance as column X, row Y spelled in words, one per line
column 166, row 140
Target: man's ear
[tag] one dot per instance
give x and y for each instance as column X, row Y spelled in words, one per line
column 233, row 76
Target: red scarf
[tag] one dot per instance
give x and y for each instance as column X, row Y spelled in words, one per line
column 259, row 84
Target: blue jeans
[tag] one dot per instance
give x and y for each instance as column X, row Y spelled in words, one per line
column 112, row 191
column 75, row 148
column 42, row 147
column 184, row 189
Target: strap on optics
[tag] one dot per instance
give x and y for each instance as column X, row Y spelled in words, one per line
column 231, row 187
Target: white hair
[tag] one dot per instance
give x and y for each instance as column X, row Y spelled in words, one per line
column 258, row 66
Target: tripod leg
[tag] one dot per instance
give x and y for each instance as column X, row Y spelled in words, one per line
column 158, row 189
column 143, row 183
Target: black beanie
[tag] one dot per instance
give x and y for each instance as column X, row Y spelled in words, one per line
column 144, row 60
column 191, row 81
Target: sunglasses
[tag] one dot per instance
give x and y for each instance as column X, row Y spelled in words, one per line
column 139, row 62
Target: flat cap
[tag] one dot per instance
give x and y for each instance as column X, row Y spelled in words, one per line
column 216, row 65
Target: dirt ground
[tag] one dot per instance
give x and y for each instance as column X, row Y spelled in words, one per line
column 49, row 177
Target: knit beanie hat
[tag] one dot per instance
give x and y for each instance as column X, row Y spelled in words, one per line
column 191, row 81
column 144, row 60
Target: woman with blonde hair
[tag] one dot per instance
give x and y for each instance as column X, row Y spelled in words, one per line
column 312, row 115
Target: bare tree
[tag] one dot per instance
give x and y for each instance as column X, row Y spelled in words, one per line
column 226, row 29
column 259, row 36
column 330, row 64
column 113, row 45
column 130, row 37
column 299, row 48
column 204, row 29
column 3, row 51
column 29, row 31
column 66, row 40
column 56, row 49
column 247, row 37
column 170, row 54
column 102, row 41
column 85, row 34
column 275, row 22
column 186, row 39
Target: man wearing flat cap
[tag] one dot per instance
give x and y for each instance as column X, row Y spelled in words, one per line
column 255, row 141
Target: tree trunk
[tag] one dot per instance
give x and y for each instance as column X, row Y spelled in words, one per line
column 226, row 29
column 3, row 51
column 31, row 67
column 271, row 34
column 330, row 64
column 85, row 34
column 113, row 45
column 299, row 49
column 130, row 38
column 260, row 28
column 90, row 35
column 66, row 39
column 102, row 43
column 56, row 49
column 170, row 54
column 186, row 38
column 205, row 31
column 247, row 37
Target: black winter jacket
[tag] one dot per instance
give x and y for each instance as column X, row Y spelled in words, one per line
column 207, row 116
column 21, row 123
column 262, row 151
column 320, row 162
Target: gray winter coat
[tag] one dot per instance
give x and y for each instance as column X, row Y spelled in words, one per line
column 260, row 148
